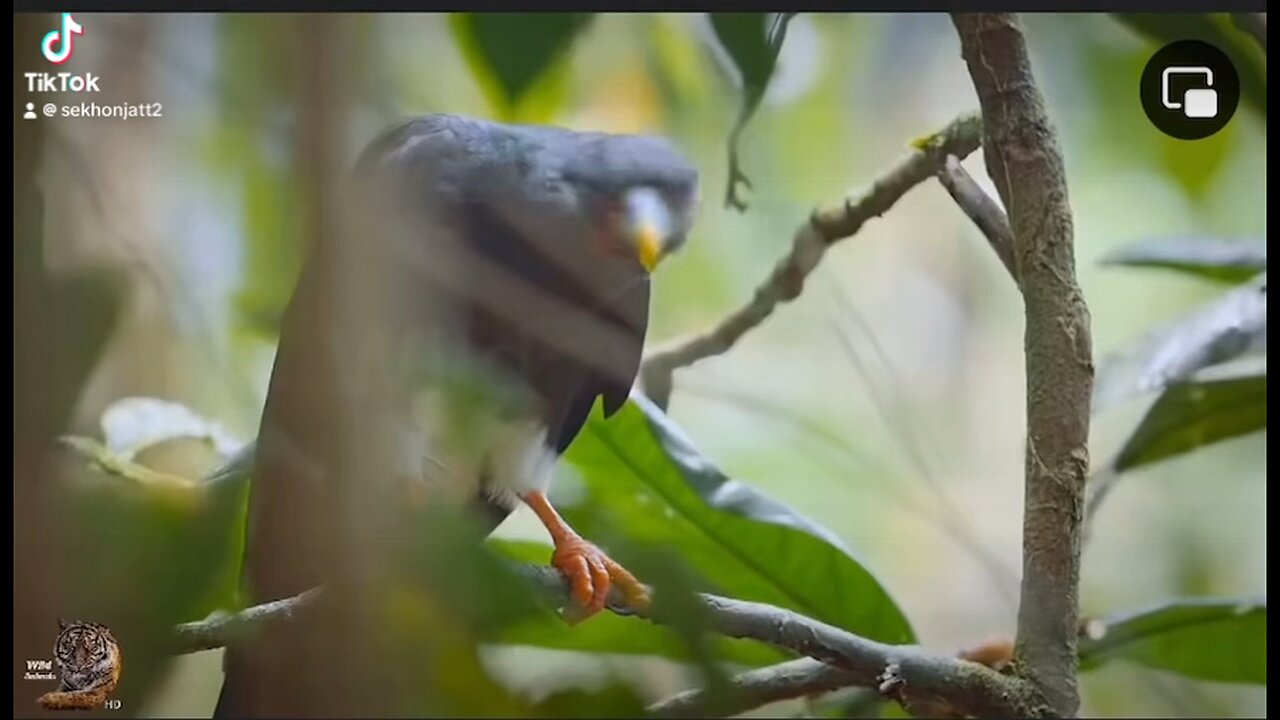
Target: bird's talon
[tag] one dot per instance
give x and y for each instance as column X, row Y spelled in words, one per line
column 592, row 575
column 634, row 592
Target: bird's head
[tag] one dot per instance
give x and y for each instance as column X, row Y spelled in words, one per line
column 626, row 198
column 638, row 195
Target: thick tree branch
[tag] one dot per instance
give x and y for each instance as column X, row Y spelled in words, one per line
column 981, row 209
column 918, row 675
column 824, row 228
column 1024, row 160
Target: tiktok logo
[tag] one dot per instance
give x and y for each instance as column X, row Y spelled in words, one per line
column 62, row 37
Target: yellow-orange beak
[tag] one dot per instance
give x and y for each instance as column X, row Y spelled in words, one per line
column 648, row 247
column 648, row 225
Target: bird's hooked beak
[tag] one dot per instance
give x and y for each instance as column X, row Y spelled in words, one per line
column 647, row 225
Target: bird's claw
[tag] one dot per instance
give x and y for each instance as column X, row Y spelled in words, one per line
column 592, row 576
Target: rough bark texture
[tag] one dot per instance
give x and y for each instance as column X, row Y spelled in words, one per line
column 1024, row 160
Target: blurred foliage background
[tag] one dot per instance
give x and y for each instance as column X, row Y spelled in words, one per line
column 883, row 409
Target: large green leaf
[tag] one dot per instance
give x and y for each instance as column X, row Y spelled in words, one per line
column 751, row 42
column 1222, row 330
column 509, row 53
column 1189, row 415
column 644, row 480
column 1213, row 258
column 1222, row 640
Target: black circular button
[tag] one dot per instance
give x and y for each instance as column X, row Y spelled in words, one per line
column 1190, row 89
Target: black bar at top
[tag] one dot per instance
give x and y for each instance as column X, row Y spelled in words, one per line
column 368, row 6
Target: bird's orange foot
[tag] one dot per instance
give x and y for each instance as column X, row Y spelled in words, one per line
column 592, row 576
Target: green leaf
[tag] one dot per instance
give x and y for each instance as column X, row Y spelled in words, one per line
column 510, row 52
column 141, row 551
column 645, row 481
column 1189, row 415
column 614, row 700
column 752, row 42
column 1219, row 331
column 259, row 73
column 1230, row 261
column 1220, row 640
column 1218, row 30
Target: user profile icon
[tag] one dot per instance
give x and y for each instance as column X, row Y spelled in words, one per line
column 1190, row 89
column 30, row 114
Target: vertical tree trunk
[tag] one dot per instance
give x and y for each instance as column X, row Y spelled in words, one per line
column 1024, row 160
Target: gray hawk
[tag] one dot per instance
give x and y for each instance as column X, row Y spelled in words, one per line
column 521, row 262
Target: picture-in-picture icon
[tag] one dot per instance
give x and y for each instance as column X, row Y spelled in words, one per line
column 1196, row 102
column 1189, row 89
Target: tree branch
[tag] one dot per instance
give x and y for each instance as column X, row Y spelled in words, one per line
column 222, row 629
column 807, row 677
column 981, row 209
column 1024, row 160
column 761, row 686
column 918, row 675
column 824, row 228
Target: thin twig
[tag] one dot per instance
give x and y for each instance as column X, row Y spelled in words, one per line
column 982, row 209
column 222, row 629
column 1024, row 161
column 924, row 676
column 824, row 228
column 753, row 688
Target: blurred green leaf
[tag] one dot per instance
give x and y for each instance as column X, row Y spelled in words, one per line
column 1231, row 261
column 1220, row 640
column 644, row 480
column 1196, row 166
column 752, row 42
column 141, row 551
column 251, row 147
column 509, row 53
column 471, row 580
column 1219, row 331
column 1218, row 30
column 615, row 700
column 1189, row 415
